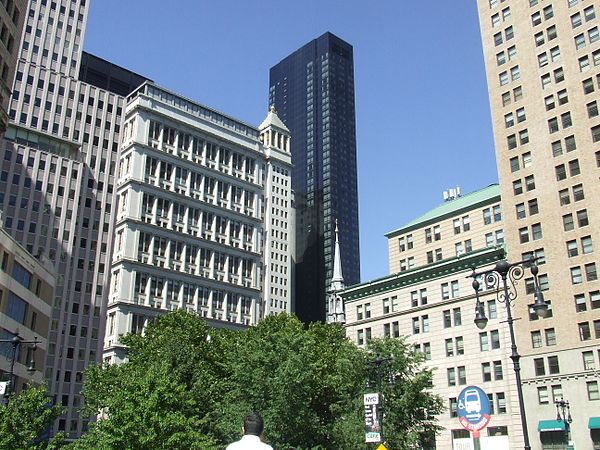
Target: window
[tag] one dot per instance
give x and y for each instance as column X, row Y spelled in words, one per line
column 553, row 366
column 592, row 390
column 563, row 197
column 578, row 193
column 586, row 245
column 492, row 312
column 584, row 331
column 588, row 360
column 453, row 407
column 486, row 371
column 447, row 318
column 590, row 272
column 539, row 366
column 589, row 13
column 596, row 133
column 16, row 308
column 572, row 249
column 536, row 339
column 484, row 344
column 543, row 395
column 595, row 299
column 557, row 394
column 416, row 325
column 580, row 303
column 498, row 375
column 495, row 339
column 592, row 109
column 574, row 168
column 533, row 207
column 568, row 223
column 576, row 275
column 582, row 218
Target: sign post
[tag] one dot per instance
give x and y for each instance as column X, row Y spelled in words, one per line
column 372, row 426
column 473, row 411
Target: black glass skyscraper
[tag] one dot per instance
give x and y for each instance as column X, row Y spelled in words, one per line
column 313, row 93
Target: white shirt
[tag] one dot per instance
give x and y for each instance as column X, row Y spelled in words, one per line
column 249, row 442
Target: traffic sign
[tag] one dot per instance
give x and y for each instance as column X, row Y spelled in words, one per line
column 381, row 447
column 473, row 408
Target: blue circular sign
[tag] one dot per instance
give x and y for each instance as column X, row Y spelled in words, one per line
column 473, row 408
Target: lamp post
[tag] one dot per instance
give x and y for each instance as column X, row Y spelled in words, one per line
column 377, row 364
column 562, row 406
column 503, row 278
column 16, row 341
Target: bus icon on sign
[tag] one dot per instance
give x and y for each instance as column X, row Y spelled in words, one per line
column 472, row 401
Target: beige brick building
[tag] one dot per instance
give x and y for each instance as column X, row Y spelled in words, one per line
column 542, row 60
column 429, row 298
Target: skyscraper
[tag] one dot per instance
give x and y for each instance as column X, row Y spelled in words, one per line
column 57, row 182
column 202, row 217
column 313, row 93
column 542, row 61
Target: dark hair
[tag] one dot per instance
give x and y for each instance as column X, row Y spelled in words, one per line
column 253, row 424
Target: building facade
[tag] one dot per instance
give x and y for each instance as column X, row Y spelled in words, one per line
column 26, row 293
column 542, row 63
column 202, row 217
column 57, row 186
column 313, row 92
column 12, row 16
column 431, row 302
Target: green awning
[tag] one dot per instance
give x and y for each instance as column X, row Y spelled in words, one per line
column 594, row 423
column 551, row 425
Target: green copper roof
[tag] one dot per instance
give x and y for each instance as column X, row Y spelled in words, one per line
column 488, row 195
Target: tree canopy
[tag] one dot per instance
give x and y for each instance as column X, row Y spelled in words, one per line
column 25, row 418
column 187, row 386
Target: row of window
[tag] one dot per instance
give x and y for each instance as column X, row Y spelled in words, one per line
column 459, row 224
column 581, row 301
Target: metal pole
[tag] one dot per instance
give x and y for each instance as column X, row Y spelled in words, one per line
column 515, row 359
column 15, row 343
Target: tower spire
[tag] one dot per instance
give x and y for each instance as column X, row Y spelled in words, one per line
column 336, row 312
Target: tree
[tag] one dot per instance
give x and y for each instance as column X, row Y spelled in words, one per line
column 409, row 405
column 181, row 389
column 161, row 398
column 303, row 381
column 25, row 418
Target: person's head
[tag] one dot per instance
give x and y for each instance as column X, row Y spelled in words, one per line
column 253, row 424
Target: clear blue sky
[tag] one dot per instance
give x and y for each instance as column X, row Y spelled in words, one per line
column 422, row 113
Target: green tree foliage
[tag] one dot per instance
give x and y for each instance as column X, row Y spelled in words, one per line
column 25, row 417
column 184, row 390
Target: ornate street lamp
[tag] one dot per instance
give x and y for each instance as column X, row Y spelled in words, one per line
column 503, row 278
column 16, row 341
column 562, row 406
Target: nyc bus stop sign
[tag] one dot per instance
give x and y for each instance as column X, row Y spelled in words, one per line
column 473, row 409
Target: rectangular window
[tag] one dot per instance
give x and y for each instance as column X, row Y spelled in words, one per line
column 588, row 361
column 543, row 397
column 495, row 339
column 539, row 366
column 592, row 390
column 590, row 272
column 536, row 339
column 584, row 331
column 16, row 308
column 553, row 366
